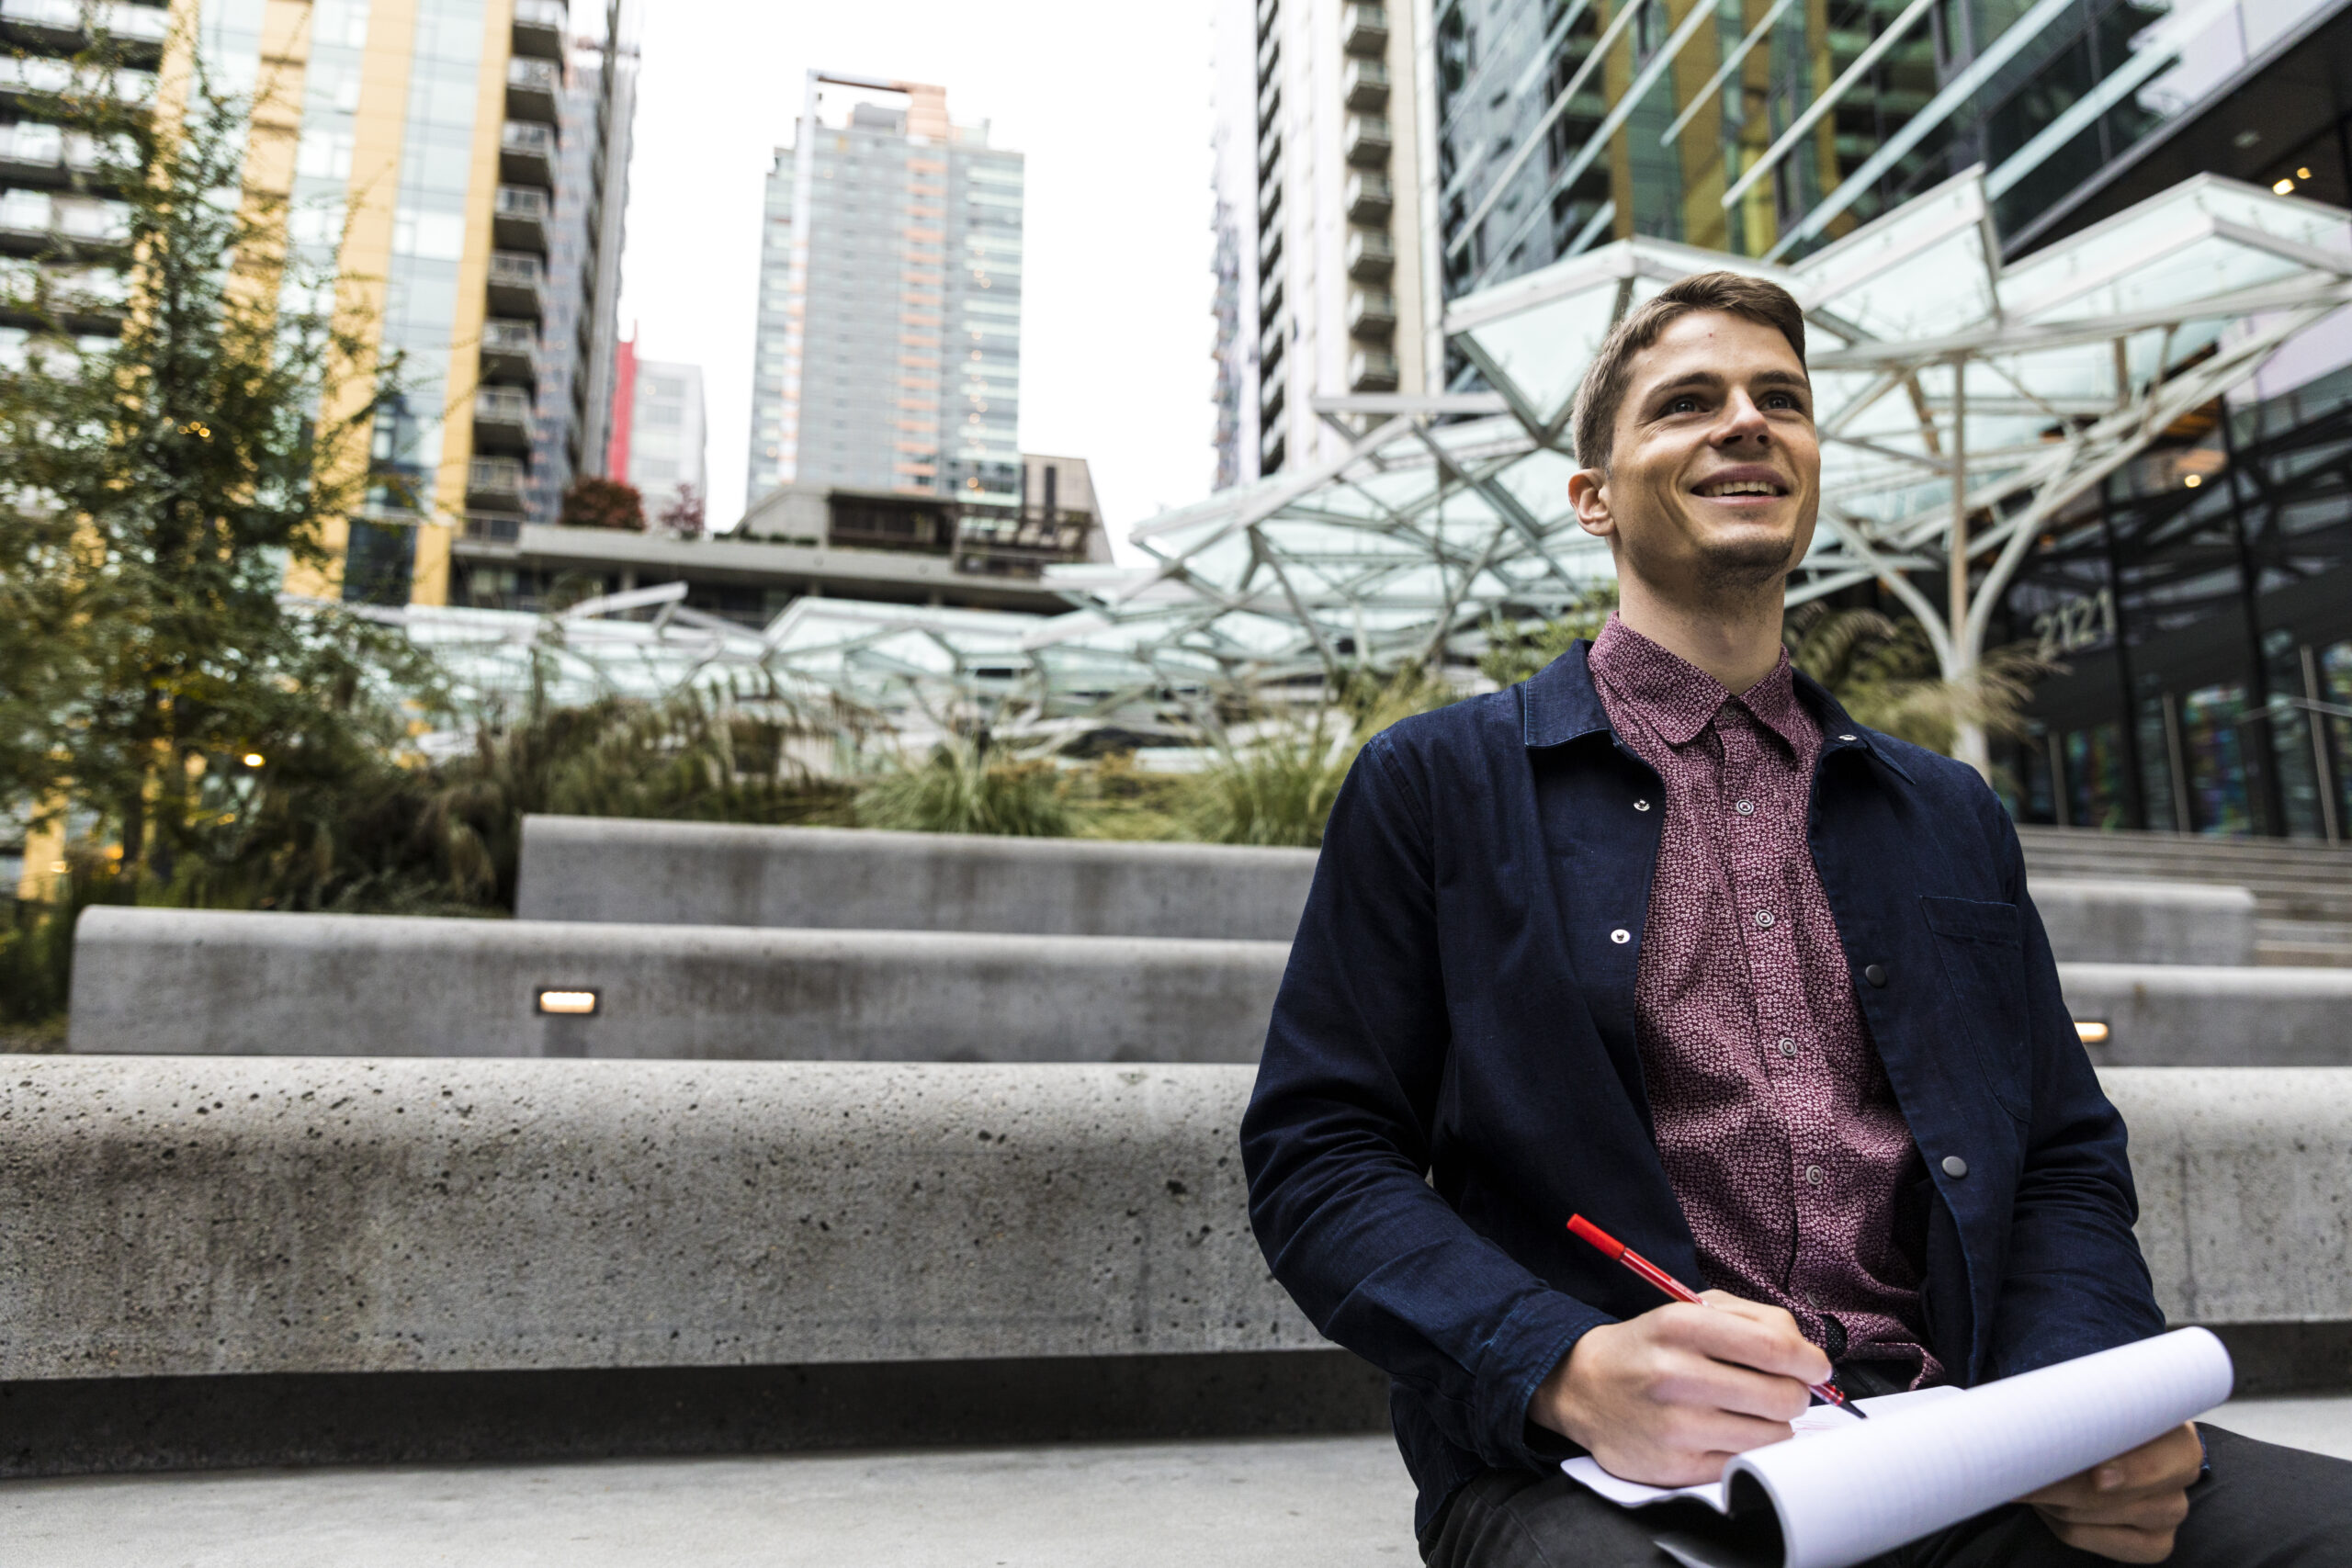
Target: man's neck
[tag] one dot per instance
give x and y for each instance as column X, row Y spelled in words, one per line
column 1736, row 640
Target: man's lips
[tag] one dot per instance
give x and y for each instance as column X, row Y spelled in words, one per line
column 1747, row 483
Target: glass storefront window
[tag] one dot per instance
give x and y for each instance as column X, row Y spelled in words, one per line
column 2336, row 690
column 2213, row 746
column 2095, row 791
column 2155, row 766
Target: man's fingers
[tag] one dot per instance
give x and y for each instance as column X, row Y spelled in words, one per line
column 1746, row 1334
column 2167, row 1464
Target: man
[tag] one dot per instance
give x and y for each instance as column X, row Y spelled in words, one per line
column 1664, row 938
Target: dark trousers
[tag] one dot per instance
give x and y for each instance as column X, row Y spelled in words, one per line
column 2259, row 1506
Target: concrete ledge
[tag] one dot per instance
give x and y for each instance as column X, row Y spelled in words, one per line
column 174, row 1217
column 581, row 868
column 167, row 1216
column 2188, row 1017
column 2246, row 1190
column 203, row 982
column 2120, row 921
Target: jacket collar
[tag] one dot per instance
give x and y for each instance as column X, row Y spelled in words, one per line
column 1559, row 704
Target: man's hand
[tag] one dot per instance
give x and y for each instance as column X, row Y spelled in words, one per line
column 1668, row 1397
column 2129, row 1507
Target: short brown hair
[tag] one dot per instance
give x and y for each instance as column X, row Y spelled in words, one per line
column 1602, row 391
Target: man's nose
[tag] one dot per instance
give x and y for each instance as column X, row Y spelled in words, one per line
column 1742, row 419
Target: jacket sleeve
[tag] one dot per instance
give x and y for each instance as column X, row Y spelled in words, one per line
column 1337, row 1141
column 2074, row 1281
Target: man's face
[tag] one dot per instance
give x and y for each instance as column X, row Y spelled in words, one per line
column 1714, row 482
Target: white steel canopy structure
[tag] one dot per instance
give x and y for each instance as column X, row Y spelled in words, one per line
column 1962, row 403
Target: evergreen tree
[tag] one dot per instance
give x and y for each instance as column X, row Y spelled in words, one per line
column 155, row 491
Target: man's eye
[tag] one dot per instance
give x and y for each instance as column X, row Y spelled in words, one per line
column 1683, row 405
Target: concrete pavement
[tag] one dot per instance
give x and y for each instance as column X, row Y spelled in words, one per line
column 1311, row 1503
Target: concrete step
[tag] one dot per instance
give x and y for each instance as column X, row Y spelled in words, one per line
column 2302, row 890
column 578, row 868
column 205, row 982
column 1279, row 1503
column 208, row 983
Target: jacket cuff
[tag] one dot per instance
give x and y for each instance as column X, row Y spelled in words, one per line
column 1534, row 1340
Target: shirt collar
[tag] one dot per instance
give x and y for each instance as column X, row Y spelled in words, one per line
column 1678, row 699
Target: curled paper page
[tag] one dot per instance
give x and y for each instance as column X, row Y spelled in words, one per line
column 1845, row 1496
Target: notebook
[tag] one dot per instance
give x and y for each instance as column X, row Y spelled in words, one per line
column 1842, row 1491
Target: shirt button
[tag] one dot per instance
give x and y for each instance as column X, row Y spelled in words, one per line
column 1763, row 919
column 1955, row 1167
column 1788, row 1047
column 1746, row 808
column 1641, row 805
column 1875, row 974
column 1620, row 936
column 1813, row 1177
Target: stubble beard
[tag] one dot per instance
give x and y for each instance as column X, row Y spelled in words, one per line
column 1727, row 570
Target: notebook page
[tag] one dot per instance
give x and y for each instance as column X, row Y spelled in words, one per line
column 1846, row 1496
column 1816, row 1420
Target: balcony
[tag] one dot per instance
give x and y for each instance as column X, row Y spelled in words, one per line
column 526, row 154
column 519, row 219
column 517, row 285
column 538, row 29
column 1269, row 151
column 1372, row 370
column 65, row 25
column 1363, row 30
column 531, row 89
column 1267, row 11
column 502, row 420
column 494, row 527
column 1270, row 398
column 495, row 484
column 1270, row 448
column 1365, row 82
column 1270, row 295
column 1372, row 315
column 1270, row 349
column 510, row 352
column 1269, row 54
column 1269, row 103
column 1371, row 197
column 1371, row 259
column 1270, row 206
column 1269, row 250
column 1368, row 141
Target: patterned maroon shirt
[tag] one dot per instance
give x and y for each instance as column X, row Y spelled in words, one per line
column 1776, row 1123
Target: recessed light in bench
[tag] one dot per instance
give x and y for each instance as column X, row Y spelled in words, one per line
column 575, row 1003
column 2094, row 1030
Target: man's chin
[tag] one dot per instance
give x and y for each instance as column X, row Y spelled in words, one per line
column 1738, row 564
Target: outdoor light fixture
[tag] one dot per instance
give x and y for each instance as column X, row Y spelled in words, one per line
column 2193, row 481
column 2094, row 1030
column 252, row 758
column 2284, row 188
column 567, row 1003
column 2303, row 174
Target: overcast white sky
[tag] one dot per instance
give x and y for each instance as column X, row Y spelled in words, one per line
column 1111, row 104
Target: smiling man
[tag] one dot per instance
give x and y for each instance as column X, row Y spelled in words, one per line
column 1663, row 936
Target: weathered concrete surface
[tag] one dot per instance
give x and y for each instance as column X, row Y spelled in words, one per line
column 205, row 982
column 581, row 868
column 1311, row 1503
column 174, row 1215
column 2103, row 922
column 2246, row 1190
column 2163, row 1015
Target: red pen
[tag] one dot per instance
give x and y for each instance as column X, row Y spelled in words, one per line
column 1585, row 1230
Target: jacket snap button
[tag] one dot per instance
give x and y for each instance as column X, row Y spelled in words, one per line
column 1845, row 738
column 1620, row 936
column 1955, row 1167
column 1875, row 974
column 1641, row 805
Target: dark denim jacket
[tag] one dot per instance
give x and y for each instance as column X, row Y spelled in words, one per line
column 1450, row 1070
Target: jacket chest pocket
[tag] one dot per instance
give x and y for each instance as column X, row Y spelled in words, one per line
column 1981, row 947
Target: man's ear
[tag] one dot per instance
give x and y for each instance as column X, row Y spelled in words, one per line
column 1588, row 494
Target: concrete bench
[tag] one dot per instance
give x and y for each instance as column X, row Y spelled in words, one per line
column 639, row 873
column 208, row 982
column 177, row 1216
column 580, row 868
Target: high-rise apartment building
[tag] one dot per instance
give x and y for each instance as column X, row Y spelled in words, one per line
column 579, row 329
column 1323, row 286
column 889, row 354
column 429, row 138
column 659, row 436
